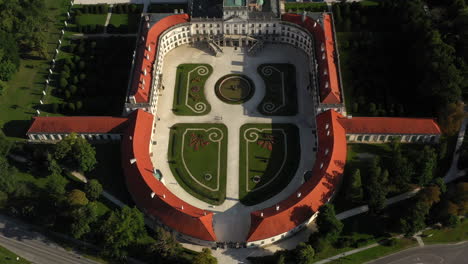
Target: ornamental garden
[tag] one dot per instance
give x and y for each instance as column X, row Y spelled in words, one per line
column 198, row 152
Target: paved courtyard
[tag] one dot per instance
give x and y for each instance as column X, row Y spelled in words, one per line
column 232, row 215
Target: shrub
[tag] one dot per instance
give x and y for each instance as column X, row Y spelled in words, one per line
column 67, row 94
column 93, row 44
column 75, row 80
column 85, row 9
column 78, row 12
column 77, row 197
column 92, row 28
column 81, row 65
column 76, row 59
column 81, row 49
column 66, row 68
column 79, row 105
column 125, row 9
column 79, row 28
column 64, row 75
column 133, row 8
column 63, row 82
column 82, row 76
column 390, row 242
column 73, row 89
column 71, row 107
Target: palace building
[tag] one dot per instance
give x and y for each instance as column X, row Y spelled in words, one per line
column 250, row 25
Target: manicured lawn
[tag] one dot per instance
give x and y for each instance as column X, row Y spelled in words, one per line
column 130, row 21
column 189, row 92
column 269, row 157
column 18, row 101
column 376, row 252
column 197, row 156
column 281, row 91
column 447, row 235
column 109, row 172
column 7, row 257
column 91, row 19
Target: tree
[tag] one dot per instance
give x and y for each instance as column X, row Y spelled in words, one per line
column 414, row 219
column 3, row 199
column 63, row 82
column 281, row 259
column 426, row 164
column 327, row 223
column 401, row 170
column 355, row 192
column 77, row 198
column 7, row 70
column 429, row 195
column 56, row 184
column 439, row 182
column 377, row 187
column 204, row 257
column 165, row 244
column 82, row 217
column 76, row 152
column 120, row 229
column 347, row 25
column 304, row 253
column 8, row 180
column 93, row 189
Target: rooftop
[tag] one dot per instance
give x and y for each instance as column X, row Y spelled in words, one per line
column 78, row 124
column 389, row 125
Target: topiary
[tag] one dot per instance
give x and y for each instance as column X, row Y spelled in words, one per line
column 63, row 82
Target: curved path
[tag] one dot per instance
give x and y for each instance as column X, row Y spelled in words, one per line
column 232, row 214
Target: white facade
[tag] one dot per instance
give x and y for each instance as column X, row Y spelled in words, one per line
column 60, row 136
column 382, row 138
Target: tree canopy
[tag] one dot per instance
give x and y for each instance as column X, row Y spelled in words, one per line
column 327, row 223
column 121, row 229
column 76, row 152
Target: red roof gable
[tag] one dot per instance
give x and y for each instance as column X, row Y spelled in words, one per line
column 327, row 172
column 389, row 125
column 151, row 39
column 78, row 124
column 141, row 182
column 330, row 92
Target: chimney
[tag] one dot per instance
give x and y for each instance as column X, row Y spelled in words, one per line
column 132, row 161
column 152, row 194
column 261, row 214
column 277, row 207
column 299, row 195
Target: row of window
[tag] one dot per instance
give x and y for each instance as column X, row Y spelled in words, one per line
column 406, row 138
column 61, row 136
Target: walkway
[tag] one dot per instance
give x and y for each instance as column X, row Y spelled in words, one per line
column 232, row 215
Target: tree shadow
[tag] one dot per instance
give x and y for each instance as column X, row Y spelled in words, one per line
column 300, row 214
column 16, row 128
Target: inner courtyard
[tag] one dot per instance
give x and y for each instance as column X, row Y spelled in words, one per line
column 230, row 211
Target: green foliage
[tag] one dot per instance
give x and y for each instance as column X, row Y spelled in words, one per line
column 7, row 70
column 77, row 198
column 376, row 187
column 82, row 218
column 76, row 152
column 204, row 257
column 165, row 244
column 56, row 184
column 328, row 225
column 63, row 83
column 121, row 229
column 426, row 164
column 3, row 199
column 304, row 253
column 8, row 181
column 93, row 189
column 355, row 192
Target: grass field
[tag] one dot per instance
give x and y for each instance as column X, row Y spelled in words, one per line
column 376, row 252
column 447, row 235
column 197, row 156
column 269, row 157
column 189, row 92
column 132, row 21
column 91, row 19
column 7, row 257
column 18, row 101
column 280, row 89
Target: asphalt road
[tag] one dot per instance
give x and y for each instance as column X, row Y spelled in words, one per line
column 433, row 254
column 15, row 236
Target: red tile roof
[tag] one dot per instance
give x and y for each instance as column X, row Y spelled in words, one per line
column 327, row 172
column 78, row 124
column 141, row 183
column 151, row 39
column 330, row 92
column 389, row 125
